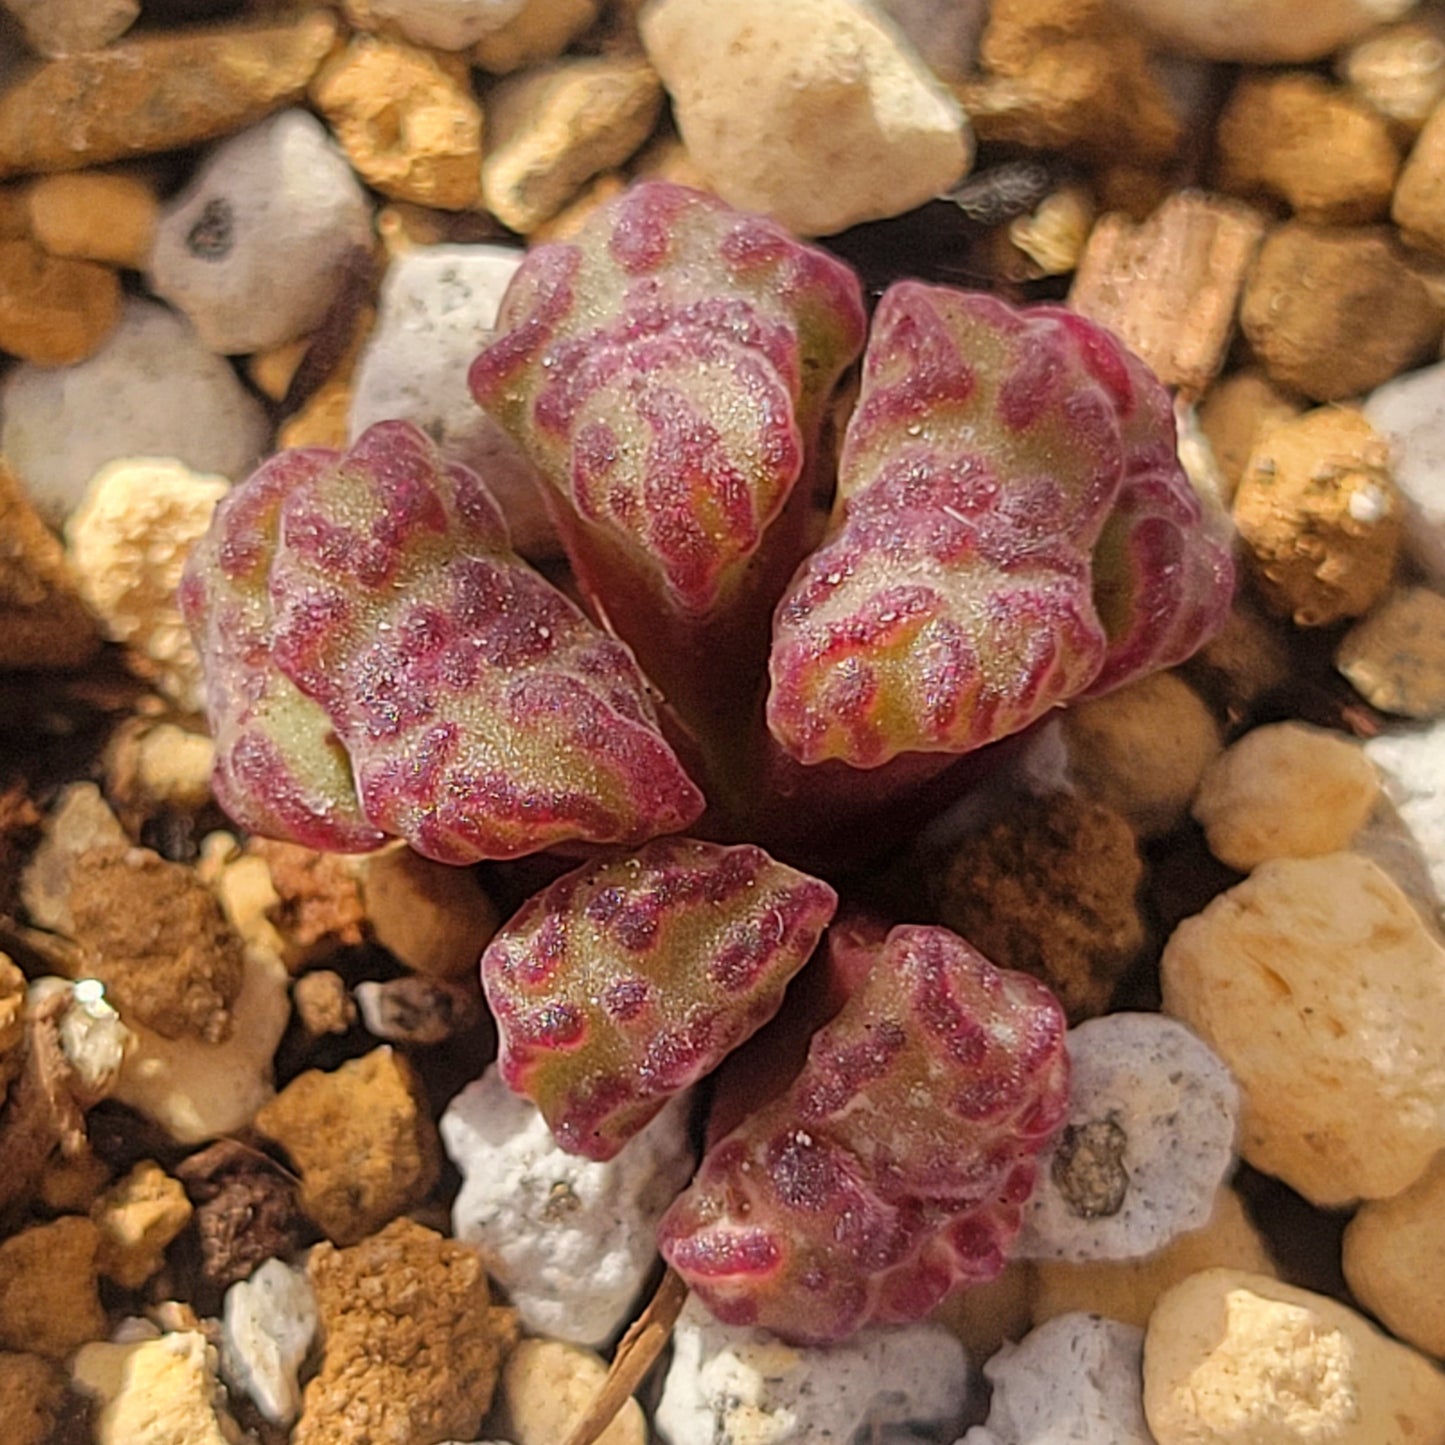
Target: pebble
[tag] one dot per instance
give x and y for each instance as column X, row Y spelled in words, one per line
column 1320, row 516
column 814, row 112
column 32, row 1391
column 1417, row 205
column 1237, row 1359
column 732, row 1383
column 103, row 216
column 1410, row 413
column 127, row 542
column 1077, row 1378
column 313, row 906
column 252, row 249
column 1286, row 790
column 323, row 1003
column 550, row 130
column 49, row 1296
column 138, row 1217
column 547, row 1385
column 54, row 311
column 945, row 33
column 157, row 92
column 540, row 30
column 1400, row 70
column 1126, row 1289
column 1322, row 989
column 406, row 119
column 438, row 309
column 1413, row 767
column 414, row 1010
column 361, row 1140
column 1149, row 1137
column 152, row 390
column 1261, row 32
column 1335, row 311
column 1394, row 1259
column 68, row 27
column 1235, row 414
column 268, row 1324
column 445, row 24
column 160, row 1391
column 1395, row 657
column 570, row 1240
column 154, row 767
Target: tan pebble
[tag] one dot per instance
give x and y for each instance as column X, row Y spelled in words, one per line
column 1287, row 790
column 271, row 371
column 1142, row 749
column 984, row 1316
column 1126, row 1290
column 1170, row 287
column 547, row 1386
column 80, row 823
column 1236, row 412
column 666, row 158
column 95, row 216
column 1399, row 69
column 1245, row 660
column 1395, row 658
column 156, row 1392
column 1291, row 134
column 570, row 220
column 540, row 31
column 49, row 1302
column 361, row 1139
column 1419, row 205
column 67, row 27
column 1232, row 1358
column 323, row 421
column 13, row 984
column 1320, row 987
column 1053, row 235
column 413, row 1343
column 54, row 311
column 43, row 622
column 317, row 907
column 158, row 92
column 323, row 1005
column 1320, row 516
column 1333, row 312
column 157, row 767
column 138, row 1217
column 407, row 119
column 553, row 129
column 1394, row 1258
column 32, row 1390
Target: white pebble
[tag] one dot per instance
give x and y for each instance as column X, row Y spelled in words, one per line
column 151, row 391
column 1077, row 1380
column 448, row 24
column 1409, row 412
column 268, row 1323
column 438, row 309
column 1412, row 765
column 730, row 1383
column 253, row 249
column 1149, row 1138
column 571, row 1240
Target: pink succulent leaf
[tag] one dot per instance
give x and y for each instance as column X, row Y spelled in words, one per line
column 895, row 1166
column 953, row 601
column 280, row 769
column 667, row 371
column 628, row 980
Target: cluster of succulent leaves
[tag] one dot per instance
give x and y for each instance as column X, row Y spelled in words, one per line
column 784, row 640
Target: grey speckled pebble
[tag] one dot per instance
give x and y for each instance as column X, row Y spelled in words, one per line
column 1150, row 1135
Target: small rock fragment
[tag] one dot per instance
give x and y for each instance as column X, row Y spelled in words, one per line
column 1334, row 311
column 323, row 1005
column 732, row 1383
column 158, row 92
column 413, row 1344
column 1149, row 1137
column 1323, row 991
column 1287, row 790
column 446, row 24
column 1126, row 1289
column 1050, row 239
column 406, row 119
column 137, row 1218
column 554, row 128
column 31, row 1391
column 69, row 27
column 547, row 1385
column 817, row 113
column 571, row 1240
column 95, row 216
column 151, row 391
column 1321, row 517
column 1142, row 749
column 1399, row 70
column 268, row 1324
column 54, row 311
column 159, row 1391
column 414, row 1010
column 1291, row 134
column 1395, row 657
column 155, row 768
column 318, row 907
column 49, row 1302
column 1077, row 1378
column 252, row 249
column 1236, row 413
column 1394, row 1258
column 361, row 1140
column 1239, row 1359
column 1051, row 888
column 1170, row 288
column 127, row 542
column 540, row 30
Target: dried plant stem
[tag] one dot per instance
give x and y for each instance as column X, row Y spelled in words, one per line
column 640, row 1347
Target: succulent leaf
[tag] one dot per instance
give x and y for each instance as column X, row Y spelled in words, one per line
column 894, row 1167
column 628, row 980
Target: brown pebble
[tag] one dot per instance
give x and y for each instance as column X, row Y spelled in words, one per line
column 54, row 311
column 31, row 1392
column 138, row 1217
column 49, row 1302
column 157, row 92
column 1395, row 658
column 1419, row 205
column 319, row 908
column 66, row 27
column 1236, row 411
column 323, row 1006
column 95, row 216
